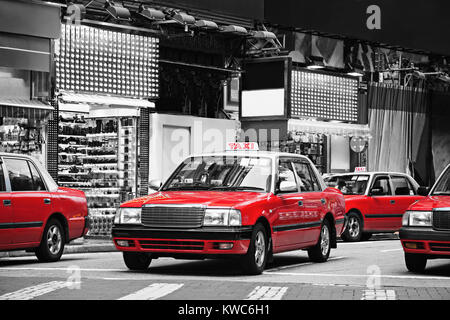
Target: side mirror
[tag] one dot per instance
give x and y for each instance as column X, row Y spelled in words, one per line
column 423, row 191
column 154, row 184
column 288, row 186
column 377, row 191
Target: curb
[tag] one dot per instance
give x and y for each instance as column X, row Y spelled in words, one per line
column 67, row 250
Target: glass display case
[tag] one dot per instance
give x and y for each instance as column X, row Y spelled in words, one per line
column 99, row 156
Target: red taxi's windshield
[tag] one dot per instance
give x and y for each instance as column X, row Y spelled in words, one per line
column 349, row 184
column 222, row 173
column 443, row 185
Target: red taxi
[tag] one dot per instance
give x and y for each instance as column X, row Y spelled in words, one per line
column 426, row 226
column 375, row 201
column 246, row 205
column 35, row 214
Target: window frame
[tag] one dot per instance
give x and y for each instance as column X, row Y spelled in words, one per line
column 5, row 177
column 288, row 160
column 375, row 178
column 28, row 161
column 410, row 186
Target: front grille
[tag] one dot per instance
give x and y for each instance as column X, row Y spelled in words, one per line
column 440, row 246
column 172, row 244
column 173, row 216
column 441, row 220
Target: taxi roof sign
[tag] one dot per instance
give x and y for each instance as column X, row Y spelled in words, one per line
column 242, row 146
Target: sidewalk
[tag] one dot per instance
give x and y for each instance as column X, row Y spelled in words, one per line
column 75, row 246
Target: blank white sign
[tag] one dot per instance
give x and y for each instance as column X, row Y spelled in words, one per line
column 263, row 103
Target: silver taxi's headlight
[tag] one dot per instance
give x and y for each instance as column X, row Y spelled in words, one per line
column 128, row 216
column 417, row 219
column 222, row 217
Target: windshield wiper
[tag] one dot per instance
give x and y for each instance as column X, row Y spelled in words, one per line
column 237, row 188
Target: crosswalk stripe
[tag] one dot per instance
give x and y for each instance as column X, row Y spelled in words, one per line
column 32, row 292
column 378, row 294
column 153, row 292
column 267, row 293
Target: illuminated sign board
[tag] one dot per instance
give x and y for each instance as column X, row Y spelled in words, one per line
column 92, row 60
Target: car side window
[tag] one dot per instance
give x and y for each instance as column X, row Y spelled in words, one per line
column 307, row 181
column 286, row 176
column 402, row 187
column 19, row 175
column 2, row 180
column 381, row 187
column 38, row 183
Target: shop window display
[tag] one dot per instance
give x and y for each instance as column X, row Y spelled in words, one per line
column 22, row 135
column 99, row 156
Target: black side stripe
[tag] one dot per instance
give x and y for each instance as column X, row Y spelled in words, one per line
column 384, row 215
column 21, row 225
column 297, row 226
column 339, row 221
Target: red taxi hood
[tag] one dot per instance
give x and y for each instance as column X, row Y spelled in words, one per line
column 430, row 203
column 208, row 198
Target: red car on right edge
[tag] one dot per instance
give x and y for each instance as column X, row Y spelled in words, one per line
column 426, row 226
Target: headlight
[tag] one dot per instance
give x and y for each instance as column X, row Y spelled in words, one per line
column 222, row 217
column 128, row 216
column 417, row 219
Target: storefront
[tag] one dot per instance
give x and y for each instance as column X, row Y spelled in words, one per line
column 25, row 64
column 106, row 80
column 297, row 110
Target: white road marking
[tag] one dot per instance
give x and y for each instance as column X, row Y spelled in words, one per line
column 57, row 269
column 35, row 291
column 354, row 275
column 301, row 264
column 267, row 293
column 153, row 292
column 378, row 294
column 391, row 250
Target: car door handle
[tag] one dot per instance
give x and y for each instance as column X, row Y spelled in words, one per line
column 47, row 201
column 300, row 203
column 392, row 201
column 7, row 203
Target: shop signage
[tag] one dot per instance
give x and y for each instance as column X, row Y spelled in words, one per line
column 357, row 144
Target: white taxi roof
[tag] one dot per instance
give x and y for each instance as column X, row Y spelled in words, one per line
column 266, row 154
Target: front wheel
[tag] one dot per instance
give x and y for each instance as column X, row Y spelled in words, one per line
column 415, row 262
column 353, row 232
column 52, row 243
column 255, row 260
column 321, row 251
column 137, row 260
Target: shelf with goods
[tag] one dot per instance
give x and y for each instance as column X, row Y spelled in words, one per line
column 314, row 146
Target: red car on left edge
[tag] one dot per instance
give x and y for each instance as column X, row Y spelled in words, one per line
column 35, row 214
column 246, row 205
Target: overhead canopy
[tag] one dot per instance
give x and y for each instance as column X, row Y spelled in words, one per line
column 106, row 100
column 331, row 128
column 22, row 108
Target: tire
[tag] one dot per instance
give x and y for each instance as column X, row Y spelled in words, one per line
column 137, row 260
column 415, row 262
column 321, row 251
column 254, row 261
column 52, row 243
column 353, row 231
column 366, row 236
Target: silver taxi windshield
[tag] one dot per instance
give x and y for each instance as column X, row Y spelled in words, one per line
column 442, row 187
column 349, row 184
column 222, row 173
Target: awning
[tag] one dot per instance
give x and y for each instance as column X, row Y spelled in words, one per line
column 105, row 100
column 331, row 128
column 23, row 108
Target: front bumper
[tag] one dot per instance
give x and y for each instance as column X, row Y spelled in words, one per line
column 172, row 242
column 425, row 241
